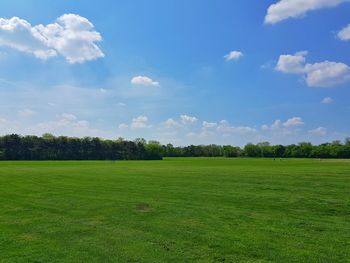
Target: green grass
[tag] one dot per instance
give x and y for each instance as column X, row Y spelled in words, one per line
column 176, row 210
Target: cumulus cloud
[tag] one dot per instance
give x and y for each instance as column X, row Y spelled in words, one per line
column 322, row 74
column 144, row 81
column 344, row 34
column 327, row 74
column 321, row 131
column 209, row 125
column 233, row 55
column 285, row 9
column 327, row 100
column 71, row 36
column 188, row 119
column 292, row 63
column 171, row 123
column 273, row 127
column 225, row 128
column 293, row 122
column 284, row 127
column 139, row 122
column 20, row 35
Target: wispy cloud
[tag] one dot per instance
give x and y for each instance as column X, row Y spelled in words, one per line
column 320, row 131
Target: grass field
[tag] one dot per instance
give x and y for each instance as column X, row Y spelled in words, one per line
column 175, row 210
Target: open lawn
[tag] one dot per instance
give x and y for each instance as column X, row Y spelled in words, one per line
column 175, row 210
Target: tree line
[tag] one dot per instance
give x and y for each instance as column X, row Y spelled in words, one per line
column 335, row 150
column 49, row 147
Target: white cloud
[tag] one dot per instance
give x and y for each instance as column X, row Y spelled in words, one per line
column 327, row 100
column 296, row 8
column 233, row 55
column 209, row 125
column 292, row 63
column 293, row 122
column 322, row 74
column 288, row 127
column 71, row 36
column 327, row 74
column 319, row 131
column 123, row 126
column 188, row 119
column 19, row 34
column 144, row 81
column 243, row 129
column 273, row 127
column 207, row 134
column 66, row 124
column 344, row 34
column 225, row 128
column 69, row 117
column 171, row 123
column 26, row 113
column 140, row 122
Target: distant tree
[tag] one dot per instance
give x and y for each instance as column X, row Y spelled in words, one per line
column 304, row 150
column 48, row 136
column 120, row 139
column 279, row 151
column 252, row 150
column 265, row 149
column 347, row 141
column 169, row 150
column 140, row 141
column 12, row 147
column 49, row 147
column 154, row 150
column 230, row 151
column 336, row 143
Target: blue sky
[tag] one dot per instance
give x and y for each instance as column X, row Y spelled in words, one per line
column 226, row 72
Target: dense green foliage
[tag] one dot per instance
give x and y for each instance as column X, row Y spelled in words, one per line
column 49, row 147
column 175, row 210
column 334, row 150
